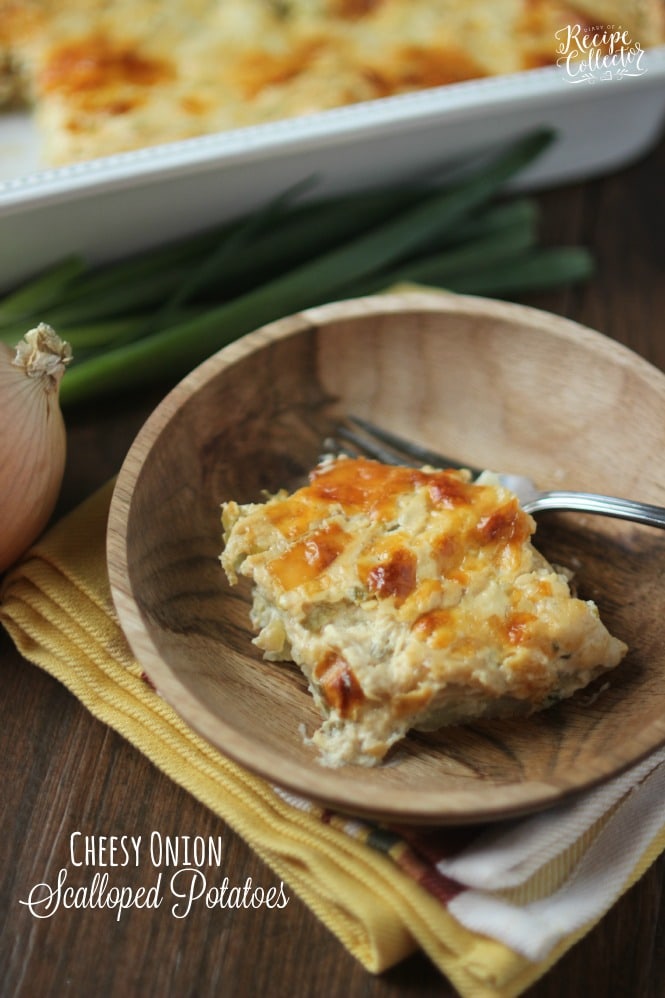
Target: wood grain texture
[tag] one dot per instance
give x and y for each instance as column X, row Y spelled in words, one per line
column 64, row 771
column 499, row 385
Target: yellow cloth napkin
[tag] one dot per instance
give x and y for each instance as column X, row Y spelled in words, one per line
column 56, row 606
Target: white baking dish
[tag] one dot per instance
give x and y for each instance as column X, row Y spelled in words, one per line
column 112, row 206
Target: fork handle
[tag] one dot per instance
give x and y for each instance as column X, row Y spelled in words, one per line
column 589, row 502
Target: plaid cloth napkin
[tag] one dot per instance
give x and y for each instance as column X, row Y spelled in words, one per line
column 493, row 907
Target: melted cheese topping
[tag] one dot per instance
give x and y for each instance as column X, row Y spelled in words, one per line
column 110, row 75
column 410, row 598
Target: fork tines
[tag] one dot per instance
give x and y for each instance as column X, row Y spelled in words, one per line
column 370, row 440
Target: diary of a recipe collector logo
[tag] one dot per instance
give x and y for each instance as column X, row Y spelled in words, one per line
column 588, row 53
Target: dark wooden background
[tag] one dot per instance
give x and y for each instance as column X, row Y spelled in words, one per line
column 63, row 771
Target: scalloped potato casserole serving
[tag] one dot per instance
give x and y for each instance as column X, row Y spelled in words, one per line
column 410, row 598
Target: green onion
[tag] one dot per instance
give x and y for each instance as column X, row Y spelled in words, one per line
column 489, row 220
column 310, row 230
column 168, row 352
column 477, row 254
column 155, row 315
column 149, row 292
column 533, row 271
column 215, row 265
column 135, row 268
column 41, row 292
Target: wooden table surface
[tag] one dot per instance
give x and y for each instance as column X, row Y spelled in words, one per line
column 64, row 771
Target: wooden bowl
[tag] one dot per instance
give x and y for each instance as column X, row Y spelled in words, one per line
column 495, row 384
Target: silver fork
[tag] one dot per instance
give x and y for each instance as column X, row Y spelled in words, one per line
column 374, row 441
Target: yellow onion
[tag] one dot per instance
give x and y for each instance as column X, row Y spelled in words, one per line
column 32, row 437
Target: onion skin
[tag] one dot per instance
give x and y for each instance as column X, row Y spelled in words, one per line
column 33, row 442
